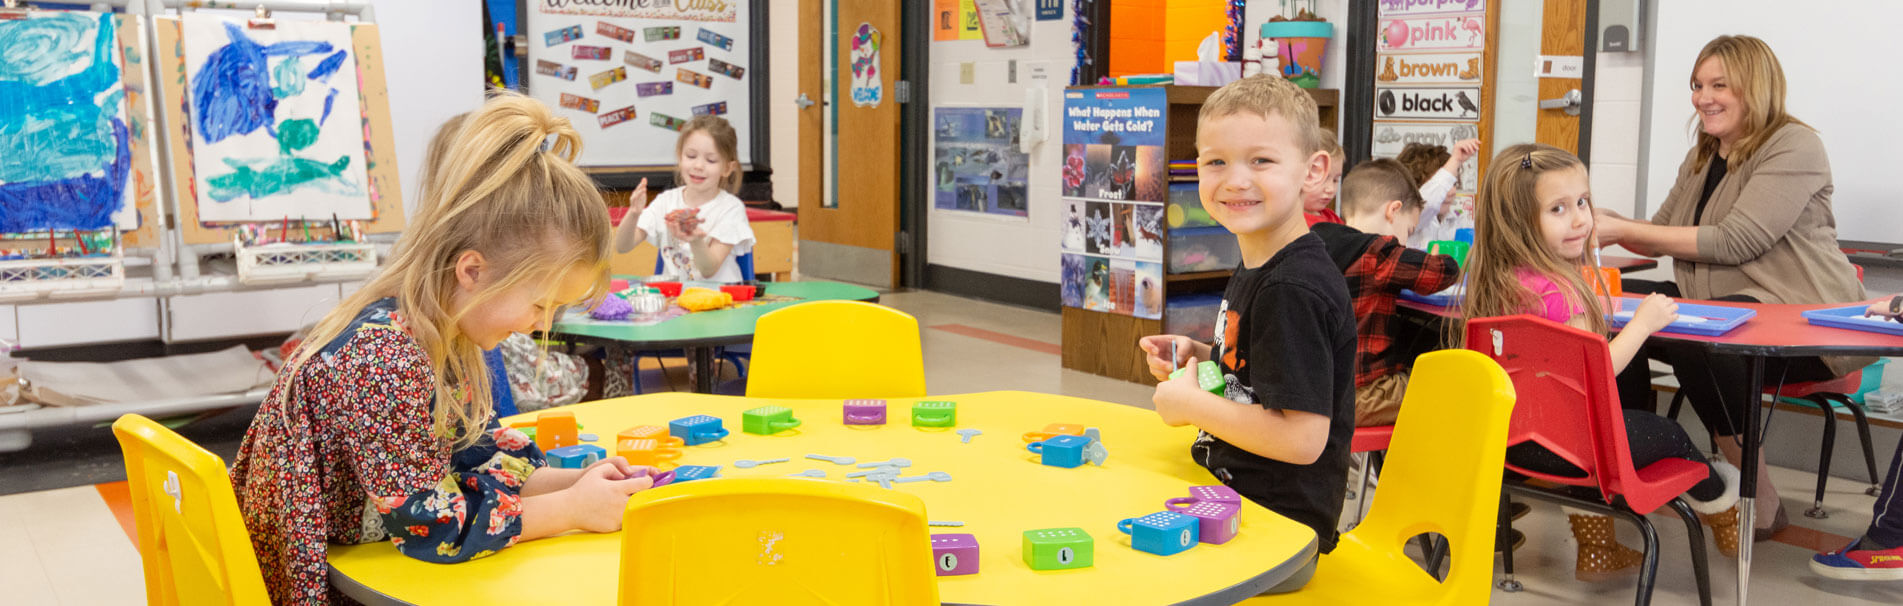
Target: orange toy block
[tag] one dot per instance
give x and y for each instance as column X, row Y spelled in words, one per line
column 1054, row 430
column 653, row 432
column 556, row 429
column 646, row 451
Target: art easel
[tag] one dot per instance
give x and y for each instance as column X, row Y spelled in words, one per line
column 304, row 262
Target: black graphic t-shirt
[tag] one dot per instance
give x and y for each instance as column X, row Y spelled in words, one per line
column 1286, row 341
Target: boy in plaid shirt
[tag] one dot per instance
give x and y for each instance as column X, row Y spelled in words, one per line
column 1381, row 207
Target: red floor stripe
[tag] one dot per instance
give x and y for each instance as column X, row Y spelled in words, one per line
column 1001, row 338
column 118, row 497
column 1811, row 539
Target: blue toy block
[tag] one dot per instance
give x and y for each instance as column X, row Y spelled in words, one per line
column 576, row 457
column 697, row 429
column 689, row 473
column 1061, row 451
column 1162, row 533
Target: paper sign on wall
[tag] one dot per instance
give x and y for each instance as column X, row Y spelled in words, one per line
column 1429, row 68
column 1458, row 32
column 1427, row 103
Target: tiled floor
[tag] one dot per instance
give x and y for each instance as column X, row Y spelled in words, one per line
column 65, row 547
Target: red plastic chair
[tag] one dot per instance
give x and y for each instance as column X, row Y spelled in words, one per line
column 1369, row 441
column 1569, row 403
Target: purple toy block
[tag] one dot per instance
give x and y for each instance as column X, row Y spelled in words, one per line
column 955, row 554
column 865, row 412
column 1211, row 494
column 1218, row 522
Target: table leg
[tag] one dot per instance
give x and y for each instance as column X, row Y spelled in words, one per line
column 700, row 369
column 1748, row 473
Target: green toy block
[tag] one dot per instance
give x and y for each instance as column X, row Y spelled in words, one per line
column 1208, row 376
column 1058, row 549
column 768, row 420
column 934, row 414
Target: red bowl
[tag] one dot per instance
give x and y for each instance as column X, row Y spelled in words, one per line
column 740, row 292
column 672, row 289
column 617, row 285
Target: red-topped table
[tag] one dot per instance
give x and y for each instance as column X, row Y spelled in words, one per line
column 1778, row 331
column 1628, row 264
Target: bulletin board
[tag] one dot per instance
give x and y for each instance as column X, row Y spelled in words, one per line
column 1433, row 81
column 386, row 196
column 628, row 75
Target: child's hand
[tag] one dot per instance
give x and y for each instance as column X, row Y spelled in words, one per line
column 596, row 501
column 1654, row 313
column 1464, row 150
column 638, row 200
column 1157, row 353
column 1175, row 398
column 623, row 470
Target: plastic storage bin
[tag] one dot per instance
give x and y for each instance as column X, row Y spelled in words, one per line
column 1202, row 249
column 1186, row 208
column 1192, row 316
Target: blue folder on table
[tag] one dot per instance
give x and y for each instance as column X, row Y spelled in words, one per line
column 1693, row 319
column 1851, row 317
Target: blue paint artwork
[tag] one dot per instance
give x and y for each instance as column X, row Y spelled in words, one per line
column 63, row 130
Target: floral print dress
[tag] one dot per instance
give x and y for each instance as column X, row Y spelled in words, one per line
column 350, row 457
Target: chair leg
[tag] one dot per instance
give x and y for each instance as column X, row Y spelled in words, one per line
column 1869, row 454
column 1649, row 568
column 1825, row 405
column 1678, row 401
column 1434, row 563
column 1501, row 539
column 1695, row 533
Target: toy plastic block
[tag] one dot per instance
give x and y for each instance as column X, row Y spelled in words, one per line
column 1054, row 430
column 576, row 456
column 1162, row 533
column 1214, row 494
column 689, row 473
column 1061, row 451
column 1208, row 376
column 1058, row 549
column 651, row 431
column 955, row 554
column 646, row 451
column 697, row 429
column 768, row 420
column 865, row 412
column 556, row 429
column 1216, row 522
column 934, row 414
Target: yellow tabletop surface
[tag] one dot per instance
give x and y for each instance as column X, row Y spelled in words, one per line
column 998, row 490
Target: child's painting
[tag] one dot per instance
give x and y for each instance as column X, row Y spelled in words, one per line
column 277, row 129
column 63, row 125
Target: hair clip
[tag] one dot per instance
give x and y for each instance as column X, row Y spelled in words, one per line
column 1527, row 162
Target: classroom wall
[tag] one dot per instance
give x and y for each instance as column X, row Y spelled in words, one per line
column 432, row 61
column 783, row 82
column 1014, row 246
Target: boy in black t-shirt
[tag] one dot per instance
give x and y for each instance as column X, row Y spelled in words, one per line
column 1285, row 338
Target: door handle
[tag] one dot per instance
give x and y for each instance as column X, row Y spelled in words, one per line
column 1570, row 102
column 804, row 101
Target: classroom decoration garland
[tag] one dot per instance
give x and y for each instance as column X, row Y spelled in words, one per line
column 1079, row 32
column 1232, row 33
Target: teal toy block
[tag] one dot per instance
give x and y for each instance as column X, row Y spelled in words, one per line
column 689, row 473
column 576, row 457
column 1058, row 549
column 934, row 414
column 1208, row 376
column 768, row 420
column 1162, row 533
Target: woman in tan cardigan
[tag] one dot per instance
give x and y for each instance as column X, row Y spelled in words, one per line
column 1748, row 219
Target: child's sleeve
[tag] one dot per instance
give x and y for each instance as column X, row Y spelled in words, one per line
column 1293, row 350
column 732, row 228
column 1434, row 192
column 653, row 219
column 432, row 510
column 1398, row 267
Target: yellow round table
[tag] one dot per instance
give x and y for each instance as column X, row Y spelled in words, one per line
column 998, row 490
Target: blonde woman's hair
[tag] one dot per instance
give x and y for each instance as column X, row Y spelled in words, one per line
column 1507, row 238
column 507, row 189
column 726, row 143
column 1753, row 73
column 1266, row 96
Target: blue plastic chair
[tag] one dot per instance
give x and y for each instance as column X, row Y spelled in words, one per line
column 737, row 355
column 499, row 391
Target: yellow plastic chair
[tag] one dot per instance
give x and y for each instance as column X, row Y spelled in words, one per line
column 783, row 541
column 1442, row 475
column 192, row 539
column 836, row 349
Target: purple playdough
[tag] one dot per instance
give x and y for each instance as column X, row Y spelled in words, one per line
column 612, row 308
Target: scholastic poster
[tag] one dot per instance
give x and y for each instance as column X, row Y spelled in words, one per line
column 629, row 74
column 1428, row 79
column 1114, row 185
column 977, row 165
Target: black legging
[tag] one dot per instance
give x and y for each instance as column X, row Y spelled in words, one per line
column 1714, row 383
column 1652, row 438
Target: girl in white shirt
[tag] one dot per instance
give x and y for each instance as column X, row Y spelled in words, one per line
column 700, row 227
column 1437, row 185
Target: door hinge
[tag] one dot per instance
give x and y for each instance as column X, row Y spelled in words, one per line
column 903, row 243
column 902, row 91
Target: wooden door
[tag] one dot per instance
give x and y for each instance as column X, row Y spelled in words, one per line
column 1562, row 34
column 849, row 138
